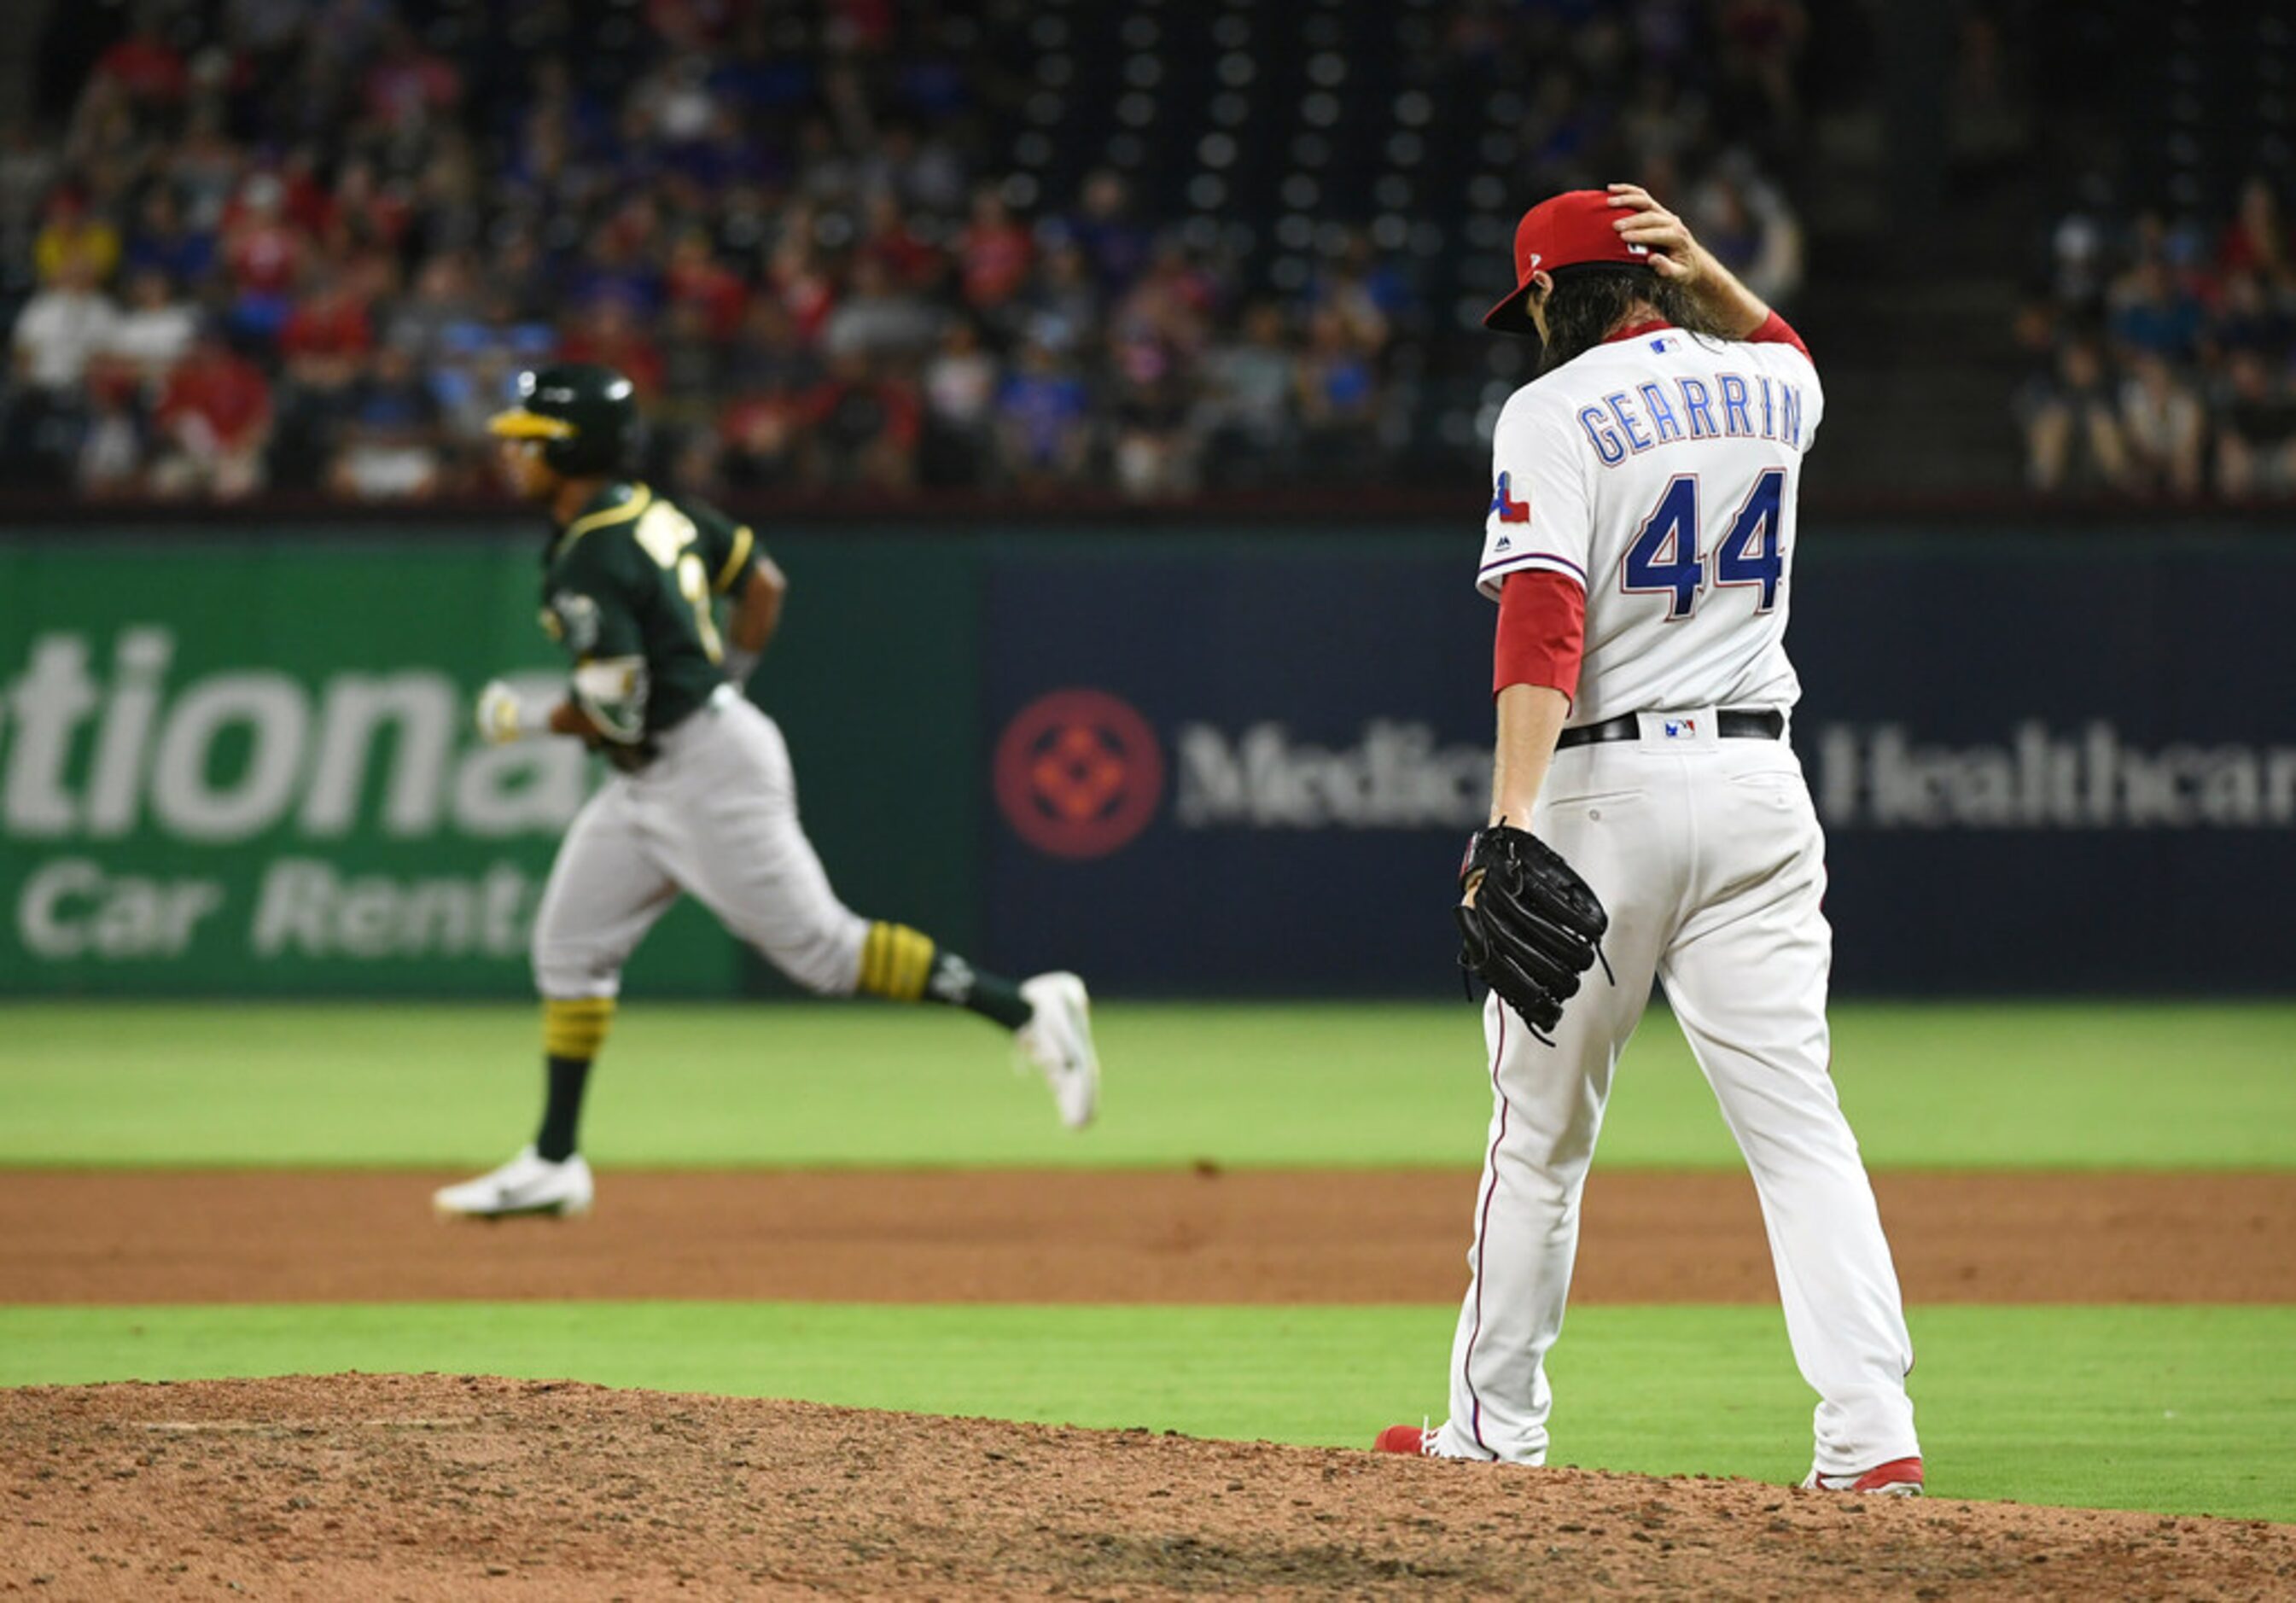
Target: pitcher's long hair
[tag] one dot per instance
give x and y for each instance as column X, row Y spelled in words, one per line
column 1588, row 302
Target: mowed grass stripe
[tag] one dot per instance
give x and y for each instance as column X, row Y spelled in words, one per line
column 2171, row 1086
column 2180, row 1410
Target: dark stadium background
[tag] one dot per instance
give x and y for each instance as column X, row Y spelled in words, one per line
column 1127, row 252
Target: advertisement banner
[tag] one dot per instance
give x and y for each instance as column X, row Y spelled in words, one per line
column 1249, row 767
column 2053, row 766
column 1242, row 767
column 251, row 771
column 1205, row 763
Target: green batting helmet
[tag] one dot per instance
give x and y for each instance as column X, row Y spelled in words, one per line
column 585, row 416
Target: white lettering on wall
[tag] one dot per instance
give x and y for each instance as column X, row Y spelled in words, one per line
column 1877, row 776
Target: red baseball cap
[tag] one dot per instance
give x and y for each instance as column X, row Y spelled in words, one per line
column 1577, row 228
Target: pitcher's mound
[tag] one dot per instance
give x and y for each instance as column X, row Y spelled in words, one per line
column 361, row 1486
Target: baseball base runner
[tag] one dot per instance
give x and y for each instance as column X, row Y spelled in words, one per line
column 703, row 800
column 1640, row 544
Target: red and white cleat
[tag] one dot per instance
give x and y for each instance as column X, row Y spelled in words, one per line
column 1900, row 1477
column 1411, row 1441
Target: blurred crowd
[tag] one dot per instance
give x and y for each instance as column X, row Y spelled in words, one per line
column 2162, row 355
column 273, row 245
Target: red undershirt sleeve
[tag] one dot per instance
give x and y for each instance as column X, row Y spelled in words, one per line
column 1542, row 632
column 1777, row 330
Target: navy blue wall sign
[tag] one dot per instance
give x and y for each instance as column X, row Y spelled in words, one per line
column 1249, row 767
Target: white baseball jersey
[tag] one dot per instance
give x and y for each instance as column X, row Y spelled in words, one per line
column 1660, row 471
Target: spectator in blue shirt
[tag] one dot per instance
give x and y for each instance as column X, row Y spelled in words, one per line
column 1043, row 412
column 2153, row 313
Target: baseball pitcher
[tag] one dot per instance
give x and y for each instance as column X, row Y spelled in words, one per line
column 702, row 800
column 1649, row 818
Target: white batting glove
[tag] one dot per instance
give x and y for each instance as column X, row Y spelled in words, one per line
column 505, row 715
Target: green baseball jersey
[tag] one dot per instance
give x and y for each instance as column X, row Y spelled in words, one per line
column 629, row 587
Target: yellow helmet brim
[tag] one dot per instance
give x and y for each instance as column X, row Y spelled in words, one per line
column 519, row 424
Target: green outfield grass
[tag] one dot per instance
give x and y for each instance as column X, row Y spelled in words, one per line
column 2012, row 1086
column 2179, row 1409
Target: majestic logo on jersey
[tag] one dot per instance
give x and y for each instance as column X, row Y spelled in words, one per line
column 1078, row 774
column 1506, row 508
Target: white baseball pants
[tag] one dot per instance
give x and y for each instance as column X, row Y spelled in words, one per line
column 714, row 815
column 1708, row 854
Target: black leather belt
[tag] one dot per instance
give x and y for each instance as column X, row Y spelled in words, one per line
column 1628, row 726
column 630, row 760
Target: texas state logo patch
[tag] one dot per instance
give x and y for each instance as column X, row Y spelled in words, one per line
column 1504, row 506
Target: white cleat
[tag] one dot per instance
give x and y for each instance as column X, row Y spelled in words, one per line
column 525, row 1185
column 1058, row 1041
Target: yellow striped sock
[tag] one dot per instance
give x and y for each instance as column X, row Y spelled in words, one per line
column 576, row 1027
column 895, row 961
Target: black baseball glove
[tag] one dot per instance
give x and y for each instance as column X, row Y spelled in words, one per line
column 1534, row 927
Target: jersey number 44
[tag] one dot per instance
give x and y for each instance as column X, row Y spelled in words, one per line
column 1668, row 557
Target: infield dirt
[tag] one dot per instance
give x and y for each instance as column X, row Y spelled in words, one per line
column 1253, row 1236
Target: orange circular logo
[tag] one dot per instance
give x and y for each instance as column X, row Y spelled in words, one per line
column 1078, row 773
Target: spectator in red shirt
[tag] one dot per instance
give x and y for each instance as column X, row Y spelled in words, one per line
column 610, row 334
column 145, row 66
column 407, row 84
column 329, row 329
column 216, row 417
column 864, row 27
column 797, row 280
column 994, row 252
column 695, row 274
column 2256, row 239
column 688, row 23
column 886, row 240
column 759, row 437
column 364, row 211
column 306, row 204
column 324, row 345
column 264, row 254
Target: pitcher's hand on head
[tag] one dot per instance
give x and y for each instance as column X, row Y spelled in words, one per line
column 1677, row 258
column 1675, row 254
